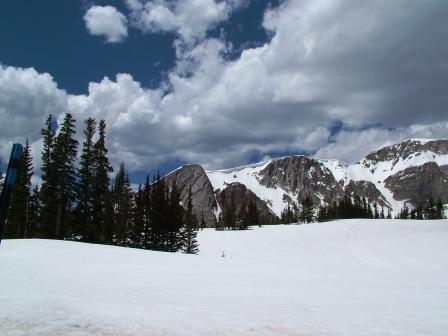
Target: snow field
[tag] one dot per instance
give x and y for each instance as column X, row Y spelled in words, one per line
column 348, row 277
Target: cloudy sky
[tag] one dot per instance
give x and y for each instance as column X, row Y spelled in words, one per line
column 226, row 82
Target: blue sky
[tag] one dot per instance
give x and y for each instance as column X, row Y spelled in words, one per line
column 225, row 82
column 51, row 36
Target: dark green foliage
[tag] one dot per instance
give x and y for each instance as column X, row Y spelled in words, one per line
column 20, row 214
column 189, row 230
column 123, row 208
column 159, row 206
column 102, row 217
column 426, row 210
column 288, row 215
column 175, row 220
column 80, row 204
column 307, row 210
column 63, row 178
column 350, row 207
column 48, row 189
column 85, row 187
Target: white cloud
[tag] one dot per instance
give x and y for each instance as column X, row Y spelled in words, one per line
column 106, row 21
column 360, row 63
column 352, row 145
column 189, row 19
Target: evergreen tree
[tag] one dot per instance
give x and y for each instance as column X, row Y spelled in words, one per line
column 439, row 209
column 19, row 216
column 389, row 214
column 175, row 219
column 63, row 158
column 34, row 207
column 241, row 220
column 123, row 208
column 48, row 188
column 146, row 200
column 287, row 216
column 190, row 244
column 139, row 219
column 307, row 212
column 404, row 213
column 158, row 212
column 382, row 212
column 85, row 187
column 376, row 214
column 102, row 217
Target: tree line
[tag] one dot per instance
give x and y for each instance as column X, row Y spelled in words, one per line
column 77, row 201
column 426, row 210
column 354, row 206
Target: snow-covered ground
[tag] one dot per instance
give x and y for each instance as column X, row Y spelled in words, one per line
column 350, row 277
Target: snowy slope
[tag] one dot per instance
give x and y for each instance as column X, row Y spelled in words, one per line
column 362, row 170
column 350, row 278
column 249, row 176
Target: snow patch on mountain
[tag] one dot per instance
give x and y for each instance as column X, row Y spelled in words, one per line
column 374, row 171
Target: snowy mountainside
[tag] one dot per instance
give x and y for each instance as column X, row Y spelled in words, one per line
column 405, row 173
column 342, row 278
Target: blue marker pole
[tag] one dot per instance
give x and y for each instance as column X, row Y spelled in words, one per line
column 11, row 173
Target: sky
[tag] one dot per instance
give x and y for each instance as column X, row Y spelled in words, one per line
column 225, row 83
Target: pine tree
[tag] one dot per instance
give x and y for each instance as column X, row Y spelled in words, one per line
column 123, row 205
column 85, row 186
column 376, row 214
column 307, row 212
column 34, row 207
column 175, row 218
column 48, row 188
column 241, row 219
column 102, row 197
column 159, row 204
column 63, row 158
column 146, row 200
column 439, row 209
column 19, row 216
column 287, row 215
column 389, row 214
column 189, row 232
column 139, row 219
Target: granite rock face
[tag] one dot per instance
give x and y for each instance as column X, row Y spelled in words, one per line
column 302, row 176
column 203, row 197
column 416, row 184
column 405, row 149
column 240, row 196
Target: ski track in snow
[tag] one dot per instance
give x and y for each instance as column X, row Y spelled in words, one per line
column 342, row 278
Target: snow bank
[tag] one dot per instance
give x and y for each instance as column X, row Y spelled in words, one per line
column 350, row 277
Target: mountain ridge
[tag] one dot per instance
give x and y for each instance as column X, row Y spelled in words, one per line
column 276, row 182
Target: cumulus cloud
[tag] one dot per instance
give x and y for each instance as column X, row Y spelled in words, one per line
column 355, row 63
column 26, row 99
column 189, row 19
column 108, row 22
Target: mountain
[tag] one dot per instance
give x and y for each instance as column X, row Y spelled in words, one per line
column 407, row 173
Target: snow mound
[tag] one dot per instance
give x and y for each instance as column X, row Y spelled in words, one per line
column 349, row 277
